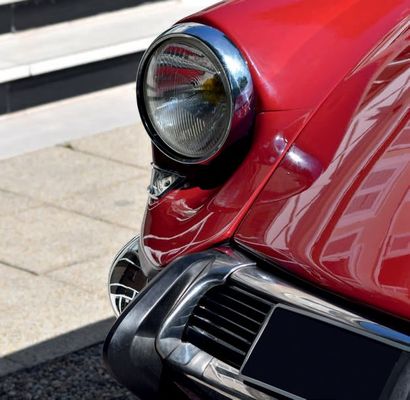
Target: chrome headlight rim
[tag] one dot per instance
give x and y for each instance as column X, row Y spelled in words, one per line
column 236, row 75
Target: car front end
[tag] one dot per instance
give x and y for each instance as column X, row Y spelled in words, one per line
column 273, row 254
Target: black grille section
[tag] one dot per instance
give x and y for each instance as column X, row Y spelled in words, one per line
column 226, row 321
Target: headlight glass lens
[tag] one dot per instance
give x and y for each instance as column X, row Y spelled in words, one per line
column 187, row 98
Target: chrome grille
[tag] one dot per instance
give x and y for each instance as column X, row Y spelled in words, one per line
column 226, row 321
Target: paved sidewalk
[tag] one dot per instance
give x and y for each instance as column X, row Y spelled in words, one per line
column 64, row 213
column 67, row 120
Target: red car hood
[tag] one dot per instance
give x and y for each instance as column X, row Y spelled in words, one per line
column 298, row 50
column 337, row 209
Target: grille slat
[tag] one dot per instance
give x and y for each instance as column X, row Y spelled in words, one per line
column 221, row 332
column 224, row 350
column 258, row 301
column 240, row 317
column 257, row 314
column 226, row 322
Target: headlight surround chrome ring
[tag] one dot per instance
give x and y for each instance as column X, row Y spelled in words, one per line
column 218, row 47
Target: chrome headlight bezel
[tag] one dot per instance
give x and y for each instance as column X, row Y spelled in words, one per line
column 236, row 73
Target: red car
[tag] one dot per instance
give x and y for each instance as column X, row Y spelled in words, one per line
column 274, row 257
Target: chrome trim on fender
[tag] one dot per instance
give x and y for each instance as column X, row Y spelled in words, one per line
column 130, row 349
column 237, row 74
column 162, row 181
column 126, row 278
column 286, row 294
column 188, row 358
column 169, row 337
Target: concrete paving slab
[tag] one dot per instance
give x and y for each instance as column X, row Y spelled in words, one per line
column 58, row 172
column 130, row 145
column 66, row 213
column 47, row 238
column 122, row 204
column 11, row 203
column 90, row 276
column 45, row 294
column 62, row 344
column 40, row 308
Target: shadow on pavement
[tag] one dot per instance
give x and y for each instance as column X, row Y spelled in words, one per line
column 79, row 374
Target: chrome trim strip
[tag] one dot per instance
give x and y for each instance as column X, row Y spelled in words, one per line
column 126, row 260
column 223, row 376
column 188, row 358
column 162, row 181
column 169, row 337
column 198, row 365
column 286, row 294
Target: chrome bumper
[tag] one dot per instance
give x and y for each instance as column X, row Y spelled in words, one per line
column 126, row 278
column 146, row 339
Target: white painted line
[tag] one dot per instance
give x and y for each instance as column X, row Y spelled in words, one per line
column 105, row 53
column 4, row 2
column 13, row 73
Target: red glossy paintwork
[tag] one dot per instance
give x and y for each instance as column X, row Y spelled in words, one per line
column 298, row 50
column 298, row 54
column 192, row 219
column 337, row 209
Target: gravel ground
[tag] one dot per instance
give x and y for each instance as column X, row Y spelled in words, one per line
column 79, row 375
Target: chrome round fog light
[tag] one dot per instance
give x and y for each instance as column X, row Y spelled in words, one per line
column 126, row 278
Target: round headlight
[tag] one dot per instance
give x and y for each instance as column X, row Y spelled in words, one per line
column 194, row 93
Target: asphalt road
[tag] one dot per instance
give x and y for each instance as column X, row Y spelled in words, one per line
column 79, row 375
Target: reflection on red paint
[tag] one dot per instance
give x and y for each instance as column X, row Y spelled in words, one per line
column 297, row 53
column 322, row 190
column 193, row 219
column 349, row 229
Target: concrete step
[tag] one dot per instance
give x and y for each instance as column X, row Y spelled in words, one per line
column 62, row 121
column 18, row 15
column 68, row 59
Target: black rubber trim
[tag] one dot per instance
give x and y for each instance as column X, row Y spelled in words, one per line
column 129, row 349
